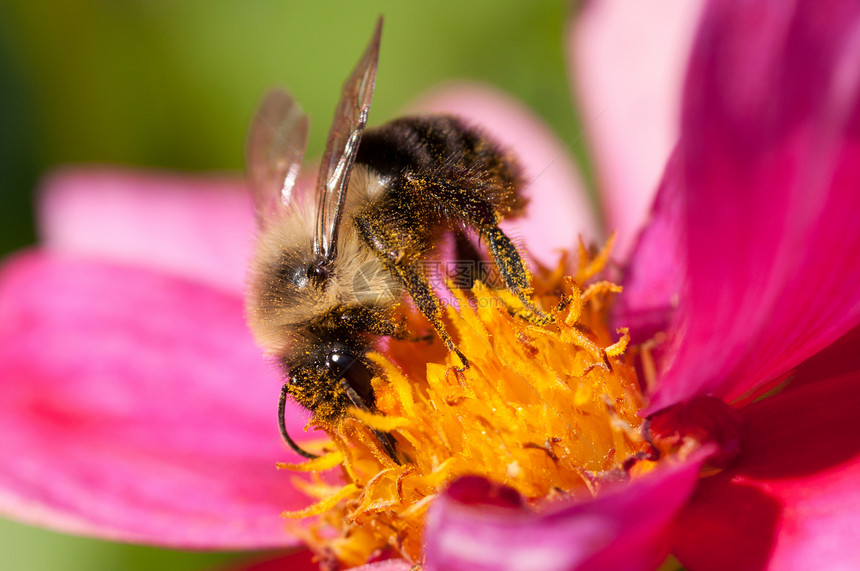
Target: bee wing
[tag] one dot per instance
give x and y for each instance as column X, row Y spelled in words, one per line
column 349, row 120
column 274, row 152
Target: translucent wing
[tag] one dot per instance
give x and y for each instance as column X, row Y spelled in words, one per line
column 350, row 118
column 274, row 152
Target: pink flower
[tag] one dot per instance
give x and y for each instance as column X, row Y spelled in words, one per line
column 137, row 408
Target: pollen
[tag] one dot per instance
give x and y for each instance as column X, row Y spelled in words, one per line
column 549, row 410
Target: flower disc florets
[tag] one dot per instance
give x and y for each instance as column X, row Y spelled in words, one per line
column 550, row 411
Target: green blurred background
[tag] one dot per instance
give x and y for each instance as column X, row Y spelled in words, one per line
column 172, row 84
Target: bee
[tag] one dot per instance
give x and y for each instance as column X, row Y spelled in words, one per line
column 330, row 269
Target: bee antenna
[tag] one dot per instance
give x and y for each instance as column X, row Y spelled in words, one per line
column 282, row 406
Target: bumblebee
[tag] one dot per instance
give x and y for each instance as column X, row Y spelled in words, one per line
column 330, row 269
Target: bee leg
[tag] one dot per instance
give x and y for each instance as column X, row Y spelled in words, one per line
column 402, row 332
column 385, row 439
column 388, row 444
column 282, row 405
column 467, row 206
column 389, row 246
column 513, row 270
column 425, row 299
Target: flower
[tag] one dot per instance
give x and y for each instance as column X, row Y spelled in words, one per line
column 550, row 410
column 744, row 266
column 744, row 273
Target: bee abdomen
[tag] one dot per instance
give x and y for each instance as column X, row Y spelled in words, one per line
column 448, row 161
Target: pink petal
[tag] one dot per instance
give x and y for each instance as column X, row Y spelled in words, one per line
column 653, row 284
column 771, row 152
column 307, row 561
column 706, row 420
column 624, row 528
column 136, row 407
column 197, row 227
column 792, row 501
column 302, row 560
column 841, row 357
column 390, row 565
column 628, row 60
column 558, row 210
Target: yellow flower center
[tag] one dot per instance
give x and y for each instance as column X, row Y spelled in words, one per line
column 547, row 410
